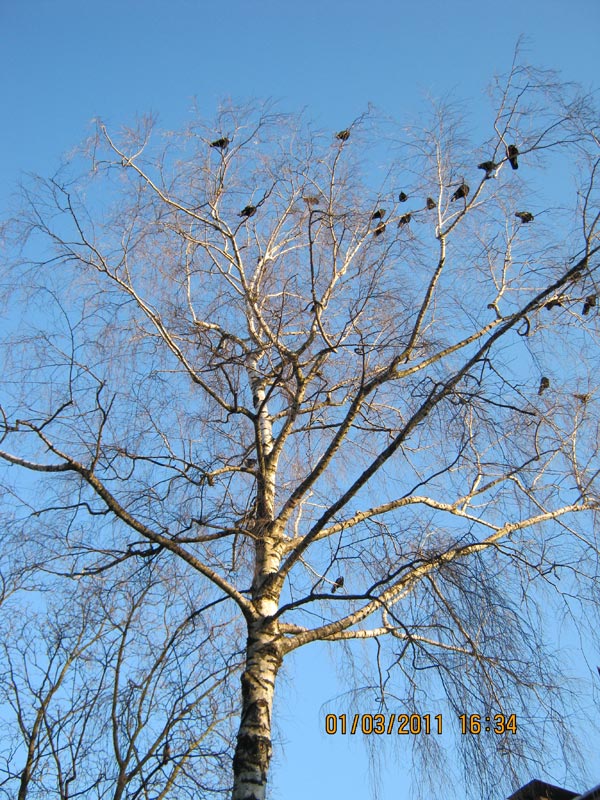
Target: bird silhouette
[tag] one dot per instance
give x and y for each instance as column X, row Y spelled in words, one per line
column 343, row 135
column 512, row 151
column 489, row 168
column 247, row 211
column 524, row 216
column 339, row 582
column 166, row 754
column 404, row 220
column 379, row 229
column 379, row 214
column 311, row 200
column 590, row 302
column 462, row 191
column 544, row 384
column 403, row 197
column 221, row 143
column 554, row 303
column 430, row 202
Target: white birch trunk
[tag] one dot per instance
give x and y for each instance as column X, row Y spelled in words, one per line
column 254, row 749
column 263, row 658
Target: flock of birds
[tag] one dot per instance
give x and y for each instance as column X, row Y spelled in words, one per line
column 490, row 167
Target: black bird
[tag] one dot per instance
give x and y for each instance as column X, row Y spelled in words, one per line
column 166, row 754
column 430, row 202
column 555, row 302
column 248, row 211
column 339, row 582
column 462, row 191
column 512, row 151
column 544, row 384
column 221, row 143
column 404, row 220
column 379, row 229
column 489, row 168
column 343, row 136
column 379, row 214
column 403, row 197
column 524, row 216
column 590, row 302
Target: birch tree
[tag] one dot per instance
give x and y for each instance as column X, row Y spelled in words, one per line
column 345, row 380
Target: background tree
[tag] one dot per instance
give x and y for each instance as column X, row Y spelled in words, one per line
column 112, row 693
column 310, row 386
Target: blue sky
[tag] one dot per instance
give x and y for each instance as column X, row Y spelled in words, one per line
column 65, row 62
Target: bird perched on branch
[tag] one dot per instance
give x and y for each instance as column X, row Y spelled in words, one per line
column 590, row 302
column 430, row 203
column 403, row 197
column 524, row 216
column 404, row 220
column 462, row 191
column 221, row 143
column 248, row 211
column 339, row 582
column 544, row 384
column 166, row 754
column 489, row 167
column 379, row 214
column 343, row 136
column 554, row 303
column 379, row 229
column 512, row 151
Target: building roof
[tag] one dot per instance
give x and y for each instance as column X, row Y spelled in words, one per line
column 538, row 790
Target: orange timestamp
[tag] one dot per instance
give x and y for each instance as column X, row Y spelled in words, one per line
column 416, row 724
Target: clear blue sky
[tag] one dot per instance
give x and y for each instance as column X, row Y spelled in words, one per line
column 64, row 62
